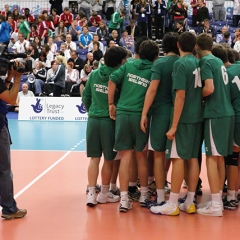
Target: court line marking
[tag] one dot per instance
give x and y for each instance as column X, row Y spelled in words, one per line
column 41, row 175
column 32, row 150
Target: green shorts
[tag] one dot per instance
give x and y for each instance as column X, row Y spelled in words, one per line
column 218, row 136
column 128, row 133
column 236, row 136
column 100, row 138
column 159, row 125
column 186, row 143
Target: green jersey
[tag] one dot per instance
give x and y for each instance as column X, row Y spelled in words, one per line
column 95, row 93
column 186, row 77
column 134, row 76
column 162, row 71
column 218, row 104
column 24, row 28
column 234, row 81
column 116, row 21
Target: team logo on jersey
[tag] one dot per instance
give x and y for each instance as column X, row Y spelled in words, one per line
column 206, row 149
column 167, row 151
column 38, row 107
column 81, row 108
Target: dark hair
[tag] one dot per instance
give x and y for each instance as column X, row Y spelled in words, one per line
column 149, row 50
column 74, row 51
column 226, row 34
column 96, row 43
column 38, row 37
column 49, row 18
column 34, row 26
column 43, row 54
column 231, row 55
column 114, row 56
column 169, row 42
column 236, row 55
column 21, row 17
column 125, row 30
column 34, row 46
column 180, row 22
column 54, row 10
column 206, row 20
column 138, row 43
column 52, row 62
column 2, row 17
column 205, row 42
column 66, row 9
column 82, row 14
column 47, row 48
column 44, row 11
column 187, row 41
column 220, row 52
column 61, row 53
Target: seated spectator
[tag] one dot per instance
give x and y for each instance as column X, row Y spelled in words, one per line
column 95, row 39
column 224, row 38
column 95, row 19
column 97, row 6
column 70, row 44
column 237, row 44
column 112, row 44
column 179, row 27
column 206, row 28
column 21, row 45
column 127, row 41
column 24, row 93
column 66, row 51
column 77, row 61
column 52, row 45
column 97, row 53
column 85, row 38
column 24, row 27
column 15, row 14
column 34, row 32
column 75, row 30
column 84, row 75
column 50, row 23
column 43, row 58
column 46, row 49
column 236, row 33
column 89, row 60
column 71, row 77
column 56, row 17
column 33, row 51
column 37, row 40
column 134, row 30
column 6, row 11
column 114, row 36
column 66, row 17
column 60, row 32
column 95, row 64
column 219, row 37
column 102, row 31
column 29, row 17
column 83, row 22
column 40, row 75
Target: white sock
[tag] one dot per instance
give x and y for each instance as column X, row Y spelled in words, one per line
column 190, row 197
column 220, row 193
column 132, row 184
column 173, row 198
column 92, row 190
column 150, row 180
column 216, row 197
column 104, row 189
column 113, row 186
column 230, row 195
column 144, row 191
column 160, row 195
column 124, row 195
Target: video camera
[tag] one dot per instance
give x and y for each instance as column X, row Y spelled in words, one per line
column 6, row 61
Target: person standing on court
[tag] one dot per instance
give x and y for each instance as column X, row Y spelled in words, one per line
column 7, row 201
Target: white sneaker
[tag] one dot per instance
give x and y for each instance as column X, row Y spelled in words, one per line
column 109, row 197
column 125, row 205
column 143, row 200
column 188, row 208
column 212, row 209
column 203, row 205
column 166, row 209
column 91, row 199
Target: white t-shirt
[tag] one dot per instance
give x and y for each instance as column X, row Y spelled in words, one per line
column 73, row 45
column 19, row 46
column 28, row 94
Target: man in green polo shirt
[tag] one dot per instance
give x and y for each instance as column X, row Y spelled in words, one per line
column 24, row 27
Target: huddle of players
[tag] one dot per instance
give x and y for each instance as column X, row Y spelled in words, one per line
column 175, row 99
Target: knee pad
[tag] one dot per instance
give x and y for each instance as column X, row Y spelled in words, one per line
column 232, row 160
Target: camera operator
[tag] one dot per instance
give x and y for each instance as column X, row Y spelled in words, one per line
column 8, row 203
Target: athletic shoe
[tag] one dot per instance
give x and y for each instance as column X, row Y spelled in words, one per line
column 125, row 205
column 198, row 191
column 203, row 205
column 152, row 189
column 97, row 188
column 135, row 195
column 19, row 214
column 225, row 188
column 117, row 192
column 91, row 199
column 212, row 209
column 143, row 200
column 154, row 203
column 182, row 200
column 167, row 189
column 230, row 205
column 109, row 197
column 188, row 208
column 236, row 202
column 166, row 209
column 138, row 183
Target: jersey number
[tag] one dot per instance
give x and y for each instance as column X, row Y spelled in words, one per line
column 198, row 81
column 224, row 75
column 237, row 81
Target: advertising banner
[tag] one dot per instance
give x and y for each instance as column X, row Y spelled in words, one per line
column 52, row 109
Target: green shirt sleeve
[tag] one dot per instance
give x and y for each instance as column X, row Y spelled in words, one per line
column 156, row 72
column 179, row 78
column 118, row 76
column 87, row 94
column 205, row 70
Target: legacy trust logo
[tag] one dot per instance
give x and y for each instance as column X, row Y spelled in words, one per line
column 37, row 108
column 81, row 108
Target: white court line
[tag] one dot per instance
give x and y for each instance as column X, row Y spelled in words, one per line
column 41, row 175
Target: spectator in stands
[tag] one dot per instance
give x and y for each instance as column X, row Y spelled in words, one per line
column 179, row 12
column 75, row 30
column 237, row 44
column 221, row 38
column 202, row 14
column 89, row 59
column 96, row 39
column 206, row 28
column 142, row 9
column 15, row 14
column 56, row 4
column 56, row 17
column 219, row 12
column 179, row 27
column 117, row 21
column 66, row 17
column 133, row 5
column 83, row 22
column 45, row 14
column 71, row 77
column 171, row 14
column 236, row 13
column 97, row 6
column 102, row 31
column 84, row 75
column 127, row 41
column 29, row 17
column 110, row 6
column 70, row 44
column 85, row 38
column 115, row 37
column 150, row 18
column 60, row 32
column 37, row 40
column 111, row 43
column 43, row 28
column 226, row 38
column 95, row 65
column 34, row 32
column 43, row 58
column 49, row 54
column 236, row 33
column 97, row 53
column 22, row 45
column 33, row 51
column 11, row 22
column 24, row 27
column 66, row 51
column 50, row 23
column 5, row 30
column 52, row 45
column 6, row 11
column 78, row 62
column 134, row 30
column 85, row 6
column 159, row 7
column 95, row 19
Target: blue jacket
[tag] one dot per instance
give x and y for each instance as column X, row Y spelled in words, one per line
column 5, row 30
column 159, row 9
